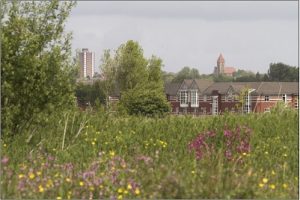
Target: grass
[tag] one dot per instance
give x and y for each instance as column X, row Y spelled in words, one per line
column 98, row 155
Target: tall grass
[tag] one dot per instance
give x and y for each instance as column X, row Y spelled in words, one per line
column 135, row 157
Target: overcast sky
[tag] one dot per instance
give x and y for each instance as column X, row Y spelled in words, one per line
column 250, row 35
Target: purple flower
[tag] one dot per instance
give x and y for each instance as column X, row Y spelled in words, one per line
column 4, row 160
column 227, row 133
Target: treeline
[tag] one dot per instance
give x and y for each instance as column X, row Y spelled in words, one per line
column 277, row 72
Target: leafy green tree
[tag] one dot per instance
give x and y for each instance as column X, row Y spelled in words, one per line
column 131, row 65
column 154, row 70
column 36, row 63
column 145, row 99
column 88, row 94
column 186, row 73
column 223, row 78
column 283, row 72
column 168, row 76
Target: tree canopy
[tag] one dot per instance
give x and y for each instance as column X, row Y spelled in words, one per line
column 35, row 61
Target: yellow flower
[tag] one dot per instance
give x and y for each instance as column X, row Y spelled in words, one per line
column 41, row 189
column 129, row 187
column 111, row 153
column 120, row 190
column 31, row 175
column 137, row 191
column 265, row 180
column 38, row 173
column 266, row 152
column 273, row 173
column 92, row 188
column 81, row 183
column 284, row 185
column 244, row 154
column 125, row 191
column 261, row 185
column 49, row 183
column 285, row 155
column 120, row 197
column 58, row 198
column 21, row 175
column 100, row 186
column 68, row 180
column 4, row 145
column 93, row 143
column 272, row 186
column 193, row 172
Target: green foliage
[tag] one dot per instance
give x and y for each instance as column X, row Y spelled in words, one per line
column 35, row 62
column 186, row 73
column 88, row 94
column 153, row 153
column 168, row 76
column 283, row 72
column 223, row 78
column 147, row 100
column 131, row 65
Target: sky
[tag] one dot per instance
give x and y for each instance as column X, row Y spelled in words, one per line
column 249, row 34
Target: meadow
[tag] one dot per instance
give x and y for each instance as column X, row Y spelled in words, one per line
column 95, row 154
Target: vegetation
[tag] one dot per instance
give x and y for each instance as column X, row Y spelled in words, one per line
column 35, row 63
column 84, row 155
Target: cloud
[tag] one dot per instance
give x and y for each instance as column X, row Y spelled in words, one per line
column 236, row 10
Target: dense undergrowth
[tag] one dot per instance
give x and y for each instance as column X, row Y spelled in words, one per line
column 100, row 155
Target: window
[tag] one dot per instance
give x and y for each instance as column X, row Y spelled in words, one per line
column 226, row 98
column 296, row 103
column 204, row 98
column 194, row 98
column 183, row 98
column 267, row 98
column 215, row 105
column 267, row 110
column 284, row 98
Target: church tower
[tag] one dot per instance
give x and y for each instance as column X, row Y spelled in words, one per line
column 220, row 65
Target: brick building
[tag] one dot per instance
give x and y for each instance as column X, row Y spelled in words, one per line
column 200, row 97
column 221, row 69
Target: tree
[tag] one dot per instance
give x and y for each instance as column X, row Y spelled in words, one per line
column 186, row 73
column 131, row 65
column 145, row 99
column 36, row 63
column 154, row 70
column 88, row 94
column 283, row 72
column 168, row 77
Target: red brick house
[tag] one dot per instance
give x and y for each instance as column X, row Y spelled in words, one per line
column 201, row 97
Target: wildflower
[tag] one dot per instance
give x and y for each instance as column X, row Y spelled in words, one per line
column 137, row 191
column 129, row 187
column 285, row 155
column 100, row 186
column 193, row 172
column 92, row 188
column 273, row 173
column 284, row 185
column 31, row 175
column 58, row 198
column 261, row 185
column 4, row 145
column 266, row 152
column 41, row 189
column 272, row 186
column 81, row 183
column 68, row 180
column 120, row 197
column 244, row 154
column 21, row 176
column 49, row 183
column 265, row 180
column 111, row 153
column 93, row 143
column 4, row 160
column 125, row 191
column 38, row 173
column 120, row 190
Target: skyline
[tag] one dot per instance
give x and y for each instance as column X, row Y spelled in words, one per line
column 250, row 35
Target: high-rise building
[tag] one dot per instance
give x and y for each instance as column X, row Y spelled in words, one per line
column 87, row 63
